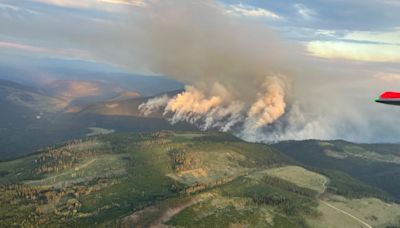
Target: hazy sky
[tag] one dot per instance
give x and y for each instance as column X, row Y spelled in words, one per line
column 356, row 43
column 367, row 30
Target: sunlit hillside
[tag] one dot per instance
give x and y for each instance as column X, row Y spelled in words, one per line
column 183, row 179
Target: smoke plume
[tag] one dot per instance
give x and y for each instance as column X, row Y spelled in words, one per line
column 270, row 105
column 153, row 105
column 219, row 110
column 241, row 76
column 236, row 70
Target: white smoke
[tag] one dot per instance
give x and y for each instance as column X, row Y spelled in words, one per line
column 224, row 118
column 237, row 71
column 153, row 105
column 219, row 110
column 269, row 106
column 294, row 125
column 192, row 104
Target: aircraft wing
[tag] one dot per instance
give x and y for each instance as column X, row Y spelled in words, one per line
column 391, row 98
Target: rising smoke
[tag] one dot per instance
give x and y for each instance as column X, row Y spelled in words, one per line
column 236, row 70
column 240, row 75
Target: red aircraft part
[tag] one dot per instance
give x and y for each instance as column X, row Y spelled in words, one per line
column 389, row 95
column 392, row 98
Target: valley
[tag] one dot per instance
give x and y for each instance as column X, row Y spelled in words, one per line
column 57, row 110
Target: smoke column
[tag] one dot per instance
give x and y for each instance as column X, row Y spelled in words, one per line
column 236, row 70
column 240, row 76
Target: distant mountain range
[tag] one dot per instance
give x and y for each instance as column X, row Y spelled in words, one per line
column 42, row 77
column 56, row 110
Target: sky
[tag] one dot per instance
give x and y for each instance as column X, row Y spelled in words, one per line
column 367, row 30
column 354, row 44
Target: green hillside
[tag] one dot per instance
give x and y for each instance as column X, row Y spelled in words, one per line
column 377, row 165
column 181, row 179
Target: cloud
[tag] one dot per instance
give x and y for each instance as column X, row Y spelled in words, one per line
column 304, row 11
column 9, row 10
column 385, row 37
column 388, row 77
column 341, row 15
column 69, row 3
column 250, row 11
column 355, row 51
column 126, row 2
column 392, row 2
column 370, row 46
column 92, row 4
column 45, row 51
column 326, row 33
column 9, row 7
